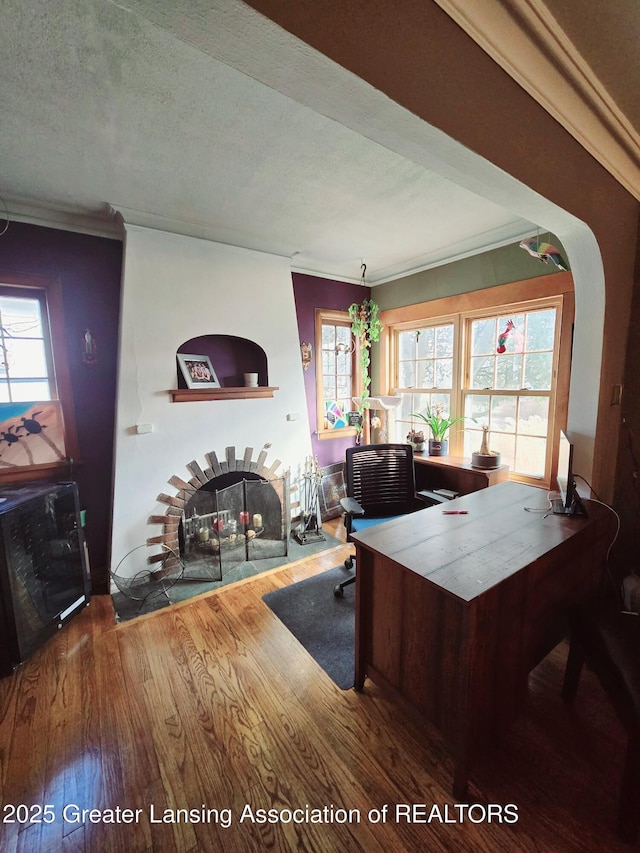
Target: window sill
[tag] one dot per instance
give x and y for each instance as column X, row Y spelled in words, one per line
column 345, row 432
column 54, row 471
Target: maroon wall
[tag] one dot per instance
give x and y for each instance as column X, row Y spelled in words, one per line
column 311, row 292
column 89, row 269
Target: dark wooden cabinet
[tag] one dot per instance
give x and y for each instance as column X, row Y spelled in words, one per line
column 44, row 578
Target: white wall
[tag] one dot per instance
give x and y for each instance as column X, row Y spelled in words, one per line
column 176, row 288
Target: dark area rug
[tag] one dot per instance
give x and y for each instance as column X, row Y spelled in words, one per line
column 128, row 608
column 324, row 624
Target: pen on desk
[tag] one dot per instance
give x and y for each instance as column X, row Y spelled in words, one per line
column 455, row 512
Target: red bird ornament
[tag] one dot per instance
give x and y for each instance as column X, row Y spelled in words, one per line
column 502, row 337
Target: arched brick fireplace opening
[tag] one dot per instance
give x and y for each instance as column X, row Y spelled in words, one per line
column 234, row 525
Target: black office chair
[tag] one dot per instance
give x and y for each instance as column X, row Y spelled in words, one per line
column 380, row 486
column 608, row 641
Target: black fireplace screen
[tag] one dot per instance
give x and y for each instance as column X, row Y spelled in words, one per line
column 243, row 522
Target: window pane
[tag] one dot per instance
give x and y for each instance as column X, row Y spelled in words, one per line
column 503, row 413
column 477, row 407
column 328, row 337
column 482, row 372
column 343, row 387
column 530, row 456
column 505, row 445
column 538, row 367
column 483, row 336
column 328, row 387
column 328, row 361
column 406, row 345
column 343, row 336
column 343, row 363
column 533, row 415
column 509, row 372
column 444, row 373
column 541, row 326
column 426, row 374
column 4, row 392
column 21, row 317
column 425, row 341
column 444, row 342
column 443, row 401
column 22, row 391
column 407, row 378
column 26, row 358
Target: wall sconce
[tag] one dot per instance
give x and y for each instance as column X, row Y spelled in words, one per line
column 306, row 352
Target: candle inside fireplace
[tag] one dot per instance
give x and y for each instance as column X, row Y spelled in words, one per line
column 257, row 520
column 244, row 517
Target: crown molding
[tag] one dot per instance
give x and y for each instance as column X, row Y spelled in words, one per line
column 96, row 225
column 479, row 244
column 524, row 38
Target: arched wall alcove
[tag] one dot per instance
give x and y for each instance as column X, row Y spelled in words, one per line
column 231, row 357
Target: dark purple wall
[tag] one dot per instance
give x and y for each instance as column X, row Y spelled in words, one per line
column 311, row 292
column 89, row 269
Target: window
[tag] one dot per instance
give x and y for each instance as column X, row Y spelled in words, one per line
column 425, row 370
column 503, row 362
column 33, row 361
column 509, row 386
column 335, row 373
column 25, row 350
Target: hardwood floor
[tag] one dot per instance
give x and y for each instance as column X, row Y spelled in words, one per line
column 213, row 705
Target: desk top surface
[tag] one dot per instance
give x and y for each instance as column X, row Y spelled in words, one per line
column 465, row 555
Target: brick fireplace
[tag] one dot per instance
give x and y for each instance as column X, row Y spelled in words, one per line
column 210, row 528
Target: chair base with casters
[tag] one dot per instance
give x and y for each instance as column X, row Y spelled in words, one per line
column 380, row 484
column 608, row 641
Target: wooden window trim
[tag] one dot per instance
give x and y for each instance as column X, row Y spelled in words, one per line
column 61, row 375
column 326, row 316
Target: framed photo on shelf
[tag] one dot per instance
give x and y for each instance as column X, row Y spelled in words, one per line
column 197, row 371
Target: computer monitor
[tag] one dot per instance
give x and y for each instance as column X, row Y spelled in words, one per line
column 569, row 502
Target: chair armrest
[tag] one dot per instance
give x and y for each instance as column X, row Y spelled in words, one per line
column 351, row 506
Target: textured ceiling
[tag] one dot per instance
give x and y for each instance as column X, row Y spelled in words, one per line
column 184, row 117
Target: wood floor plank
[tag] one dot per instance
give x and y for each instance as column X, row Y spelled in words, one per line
column 214, row 704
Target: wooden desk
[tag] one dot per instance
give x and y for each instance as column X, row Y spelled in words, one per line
column 455, row 473
column 454, row 611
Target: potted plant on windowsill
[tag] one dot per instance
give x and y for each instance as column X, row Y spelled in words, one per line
column 485, row 458
column 439, row 426
column 416, row 439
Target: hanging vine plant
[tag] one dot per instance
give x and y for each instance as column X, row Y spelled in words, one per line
column 366, row 327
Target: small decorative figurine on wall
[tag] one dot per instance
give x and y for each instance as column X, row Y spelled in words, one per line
column 89, row 349
column 306, row 351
